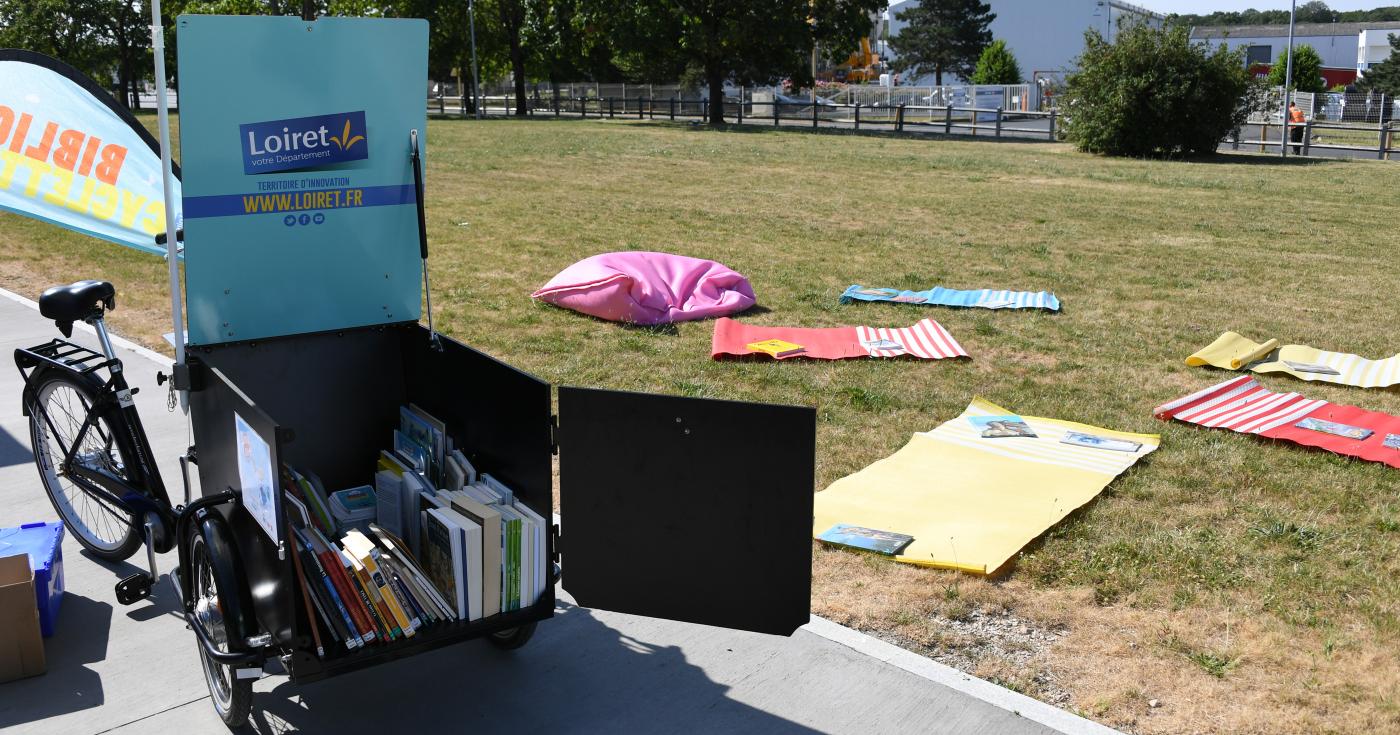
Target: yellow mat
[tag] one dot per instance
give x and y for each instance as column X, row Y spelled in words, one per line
column 972, row 502
column 1234, row 352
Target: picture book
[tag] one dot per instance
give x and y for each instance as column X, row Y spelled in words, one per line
column 442, row 557
column 1332, row 427
column 776, row 347
column 1092, row 441
column 1392, row 441
column 416, row 455
column 887, row 543
column 416, row 428
column 995, row 427
column 887, row 345
column 437, row 441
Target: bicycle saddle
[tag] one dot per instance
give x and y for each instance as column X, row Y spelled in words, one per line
column 76, row 302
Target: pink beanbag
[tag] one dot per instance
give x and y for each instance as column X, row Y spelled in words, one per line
column 648, row 288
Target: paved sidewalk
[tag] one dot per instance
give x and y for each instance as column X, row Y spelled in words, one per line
column 135, row 669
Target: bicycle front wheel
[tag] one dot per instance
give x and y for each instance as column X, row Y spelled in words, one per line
column 61, row 406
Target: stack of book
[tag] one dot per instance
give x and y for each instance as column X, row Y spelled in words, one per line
column 448, row 544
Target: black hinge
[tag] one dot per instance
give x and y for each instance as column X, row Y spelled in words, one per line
column 554, row 435
column 554, row 531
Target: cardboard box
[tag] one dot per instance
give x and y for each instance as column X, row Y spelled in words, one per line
column 21, row 647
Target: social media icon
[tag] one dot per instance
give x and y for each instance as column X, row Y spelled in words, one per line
column 318, row 218
column 289, row 220
column 305, row 219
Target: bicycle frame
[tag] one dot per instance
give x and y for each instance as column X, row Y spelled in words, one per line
column 145, row 491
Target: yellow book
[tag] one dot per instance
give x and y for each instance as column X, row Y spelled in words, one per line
column 364, row 551
column 776, row 347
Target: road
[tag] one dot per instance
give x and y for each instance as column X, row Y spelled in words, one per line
column 115, row 669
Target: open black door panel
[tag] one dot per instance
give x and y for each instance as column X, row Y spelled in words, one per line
column 230, row 425
column 687, row 509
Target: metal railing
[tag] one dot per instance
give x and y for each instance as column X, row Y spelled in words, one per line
column 902, row 118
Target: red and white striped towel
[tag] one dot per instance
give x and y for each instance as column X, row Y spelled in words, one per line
column 927, row 340
column 1245, row 406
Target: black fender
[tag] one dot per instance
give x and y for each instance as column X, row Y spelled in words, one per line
column 227, row 565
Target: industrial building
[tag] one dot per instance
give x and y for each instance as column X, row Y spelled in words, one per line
column 1352, row 46
column 1045, row 37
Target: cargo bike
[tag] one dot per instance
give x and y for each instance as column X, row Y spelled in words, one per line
column 305, row 336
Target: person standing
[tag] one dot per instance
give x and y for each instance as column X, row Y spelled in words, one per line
column 1297, row 123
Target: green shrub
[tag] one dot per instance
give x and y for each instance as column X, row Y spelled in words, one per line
column 1154, row 93
column 1307, row 70
column 996, row 65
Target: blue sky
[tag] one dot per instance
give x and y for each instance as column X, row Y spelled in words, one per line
column 1208, row 6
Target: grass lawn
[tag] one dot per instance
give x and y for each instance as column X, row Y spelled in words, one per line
column 1239, row 585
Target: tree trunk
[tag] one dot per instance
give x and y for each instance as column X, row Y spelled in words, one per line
column 517, row 67
column 938, row 75
column 714, row 75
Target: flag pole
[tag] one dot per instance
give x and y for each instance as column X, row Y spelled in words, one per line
column 172, row 248
column 1288, row 81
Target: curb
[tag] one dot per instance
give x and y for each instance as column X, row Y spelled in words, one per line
column 117, row 340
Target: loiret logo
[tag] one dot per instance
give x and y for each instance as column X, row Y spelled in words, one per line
column 303, row 142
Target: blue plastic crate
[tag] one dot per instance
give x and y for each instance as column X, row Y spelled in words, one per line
column 43, row 542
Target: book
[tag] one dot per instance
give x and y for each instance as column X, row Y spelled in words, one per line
column 497, row 488
column 1334, row 428
column 886, row 543
column 539, row 565
column 416, row 425
column 416, row 456
column 1392, row 441
column 329, row 559
column 490, row 521
column 1312, row 367
column 442, row 558
column 888, row 345
column 388, row 490
column 364, row 552
column 395, row 548
column 456, row 477
column 313, row 611
column 510, row 582
column 994, row 427
column 320, row 502
column 342, row 622
column 384, row 616
column 1092, row 441
column 776, row 347
column 466, row 466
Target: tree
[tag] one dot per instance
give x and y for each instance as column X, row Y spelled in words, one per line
column 1307, row 70
column 1384, row 77
column 1154, row 93
column 1315, row 11
column 742, row 41
column 997, row 65
column 942, row 36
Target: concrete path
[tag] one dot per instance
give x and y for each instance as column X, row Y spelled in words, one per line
column 135, row 669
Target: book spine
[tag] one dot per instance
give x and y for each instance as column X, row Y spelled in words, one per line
column 387, row 593
column 346, row 625
column 385, row 614
column 418, row 613
column 384, row 629
column 410, row 606
column 336, row 572
column 313, row 604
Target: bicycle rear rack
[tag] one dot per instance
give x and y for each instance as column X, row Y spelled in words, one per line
column 64, row 354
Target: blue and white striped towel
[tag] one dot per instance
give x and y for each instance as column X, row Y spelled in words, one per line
column 938, row 296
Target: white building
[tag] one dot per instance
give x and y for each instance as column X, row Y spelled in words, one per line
column 1045, row 36
column 1341, row 45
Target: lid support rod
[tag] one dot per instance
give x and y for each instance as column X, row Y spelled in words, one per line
column 172, row 247
column 423, row 234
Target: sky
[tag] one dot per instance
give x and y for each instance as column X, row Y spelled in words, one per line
column 1209, row 6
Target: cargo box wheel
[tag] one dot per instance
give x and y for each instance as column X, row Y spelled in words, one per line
column 512, row 638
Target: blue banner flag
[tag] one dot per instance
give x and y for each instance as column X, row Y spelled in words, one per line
column 72, row 156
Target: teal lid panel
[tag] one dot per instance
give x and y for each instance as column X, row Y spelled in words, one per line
column 300, row 211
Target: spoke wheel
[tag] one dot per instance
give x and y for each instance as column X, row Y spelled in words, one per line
column 61, row 405
column 232, row 697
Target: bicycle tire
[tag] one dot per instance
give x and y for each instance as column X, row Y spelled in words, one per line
column 232, row 697
column 79, row 509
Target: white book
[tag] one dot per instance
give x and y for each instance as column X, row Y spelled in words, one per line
column 539, row 569
column 455, row 478
column 444, row 556
column 388, row 492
